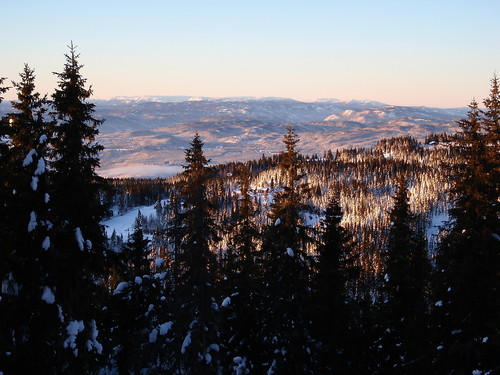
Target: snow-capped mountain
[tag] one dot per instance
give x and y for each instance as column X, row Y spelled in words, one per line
column 151, row 132
column 155, row 131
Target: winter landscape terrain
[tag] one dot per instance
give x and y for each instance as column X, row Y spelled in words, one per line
column 146, row 136
column 250, row 188
column 322, row 237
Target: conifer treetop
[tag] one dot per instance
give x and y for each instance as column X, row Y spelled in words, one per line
column 195, row 159
column 70, row 98
column 30, row 106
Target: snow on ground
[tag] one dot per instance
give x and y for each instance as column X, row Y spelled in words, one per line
column 437, row 221
column 123, row 224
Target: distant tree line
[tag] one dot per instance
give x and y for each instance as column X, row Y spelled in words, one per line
column 284, row 265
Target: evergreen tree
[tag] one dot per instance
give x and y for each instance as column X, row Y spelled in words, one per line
column 196, row 310
column 75, row 153
column 332, row 315
column 468, row 284
column 135, row 251
column 240, row 285
column 140, row 311
column 405, row 312
column 287, row 267
column 77, row 210
column 491, row 127
column 27, row 306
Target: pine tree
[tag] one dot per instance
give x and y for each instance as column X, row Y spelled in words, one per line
column 77, row 210
column 27, row 306
column 196, row 310
column 287, row 267
column 468, row 283
column 407, row 272
column 332, row 315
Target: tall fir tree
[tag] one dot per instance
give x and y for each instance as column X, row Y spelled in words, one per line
column 78, row 238
column 405, row 292
column 332, row 302
column 27, row 304
column 491, row 127
column 240, row 288
column 196, row 311
column 468, row 277
column 286, row 264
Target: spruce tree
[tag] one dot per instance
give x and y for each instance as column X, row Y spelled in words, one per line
column 196, row 311
column 27, row 306
column 332, row 302
column 77, row 211
column 491, row 128
column 287, row 269
column 406, row 284
column 135, row 251
column 240, row 289
column 468, row 283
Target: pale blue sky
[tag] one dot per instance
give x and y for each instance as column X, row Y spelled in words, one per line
column 434, row 53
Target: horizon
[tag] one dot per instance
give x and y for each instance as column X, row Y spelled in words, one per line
column 194, row 98
column 403, row 54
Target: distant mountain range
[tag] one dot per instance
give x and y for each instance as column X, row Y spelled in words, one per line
column 154, row 131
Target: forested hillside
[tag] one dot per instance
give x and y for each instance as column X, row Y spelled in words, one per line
column 290, row 264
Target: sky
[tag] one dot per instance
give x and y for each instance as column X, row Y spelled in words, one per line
column 439, row 53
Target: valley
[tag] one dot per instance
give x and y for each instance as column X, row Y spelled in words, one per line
column 146, row 137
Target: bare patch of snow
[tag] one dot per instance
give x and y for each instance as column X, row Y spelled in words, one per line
column 48, row 295
column 165, row 328
column 93, row 343
column 153, row 336
column 29, row 158
column 34, row 183
column 226, row 302
column 79, row 238
column 73, row 329
column 46, row 243
column 186, row 342
column 121, row 287
column 32, row 224
column 40, row 168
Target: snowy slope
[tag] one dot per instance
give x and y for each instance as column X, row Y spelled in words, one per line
column 123, row 224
